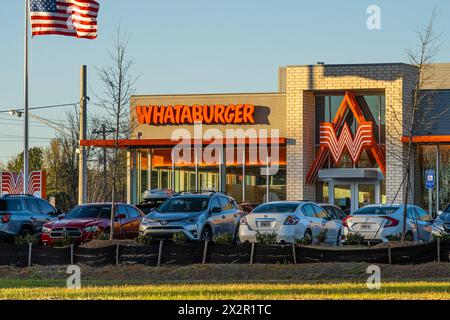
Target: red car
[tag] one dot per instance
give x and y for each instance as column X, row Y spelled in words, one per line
column 85, row 222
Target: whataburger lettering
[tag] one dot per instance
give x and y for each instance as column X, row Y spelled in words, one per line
column 184, row 114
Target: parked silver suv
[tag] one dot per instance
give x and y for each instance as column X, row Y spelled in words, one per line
column 199, row 215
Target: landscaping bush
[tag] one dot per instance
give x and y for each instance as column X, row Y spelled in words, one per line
column 302, row 242
column 394, row 237
column 443, row 237
column 25, row 240
column 353, row 239
column 145, row 240
column 179, row 238
column 63, row 242
column 266, row 238
column 224, row 238
column 322, row 236
column 104, row 236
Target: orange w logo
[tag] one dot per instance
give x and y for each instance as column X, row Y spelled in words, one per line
column 329, row 140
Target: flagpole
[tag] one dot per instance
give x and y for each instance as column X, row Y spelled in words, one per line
column 25, row 142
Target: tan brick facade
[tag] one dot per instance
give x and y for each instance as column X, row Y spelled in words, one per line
column 396, row 80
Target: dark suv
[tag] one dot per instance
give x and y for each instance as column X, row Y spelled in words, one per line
column 199, row 215
column 22, row 215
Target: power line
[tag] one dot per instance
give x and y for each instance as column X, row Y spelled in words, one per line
column 44, row 107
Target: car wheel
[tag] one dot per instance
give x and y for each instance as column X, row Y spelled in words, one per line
column 308, row 237
column 26, row 232
column 106, row 234
column 409, row 237
column 206, row 234
column 236, row 240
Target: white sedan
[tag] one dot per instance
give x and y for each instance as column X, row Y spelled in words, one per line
column 291, row 221
column 380, row 223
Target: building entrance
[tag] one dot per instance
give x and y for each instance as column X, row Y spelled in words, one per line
column 352, row 195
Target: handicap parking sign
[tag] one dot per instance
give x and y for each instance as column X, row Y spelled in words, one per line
column 430, row 179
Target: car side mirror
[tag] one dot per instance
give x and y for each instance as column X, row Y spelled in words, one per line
column 216, row 210
column 61, row 216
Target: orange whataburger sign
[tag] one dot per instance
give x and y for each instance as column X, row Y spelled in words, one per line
column 206, row 114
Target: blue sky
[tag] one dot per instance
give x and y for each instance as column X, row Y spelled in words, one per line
column 203, row 46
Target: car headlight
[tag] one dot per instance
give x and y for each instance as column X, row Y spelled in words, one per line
column 46, row 230
column 146, row 221
column 440, row 227
column 192, row 220
column 92, row 229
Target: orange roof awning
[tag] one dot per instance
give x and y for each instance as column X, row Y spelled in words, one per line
column 427, row 139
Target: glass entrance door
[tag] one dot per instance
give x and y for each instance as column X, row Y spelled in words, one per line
column 343, row 197
column 366, row 194
column 350, row 196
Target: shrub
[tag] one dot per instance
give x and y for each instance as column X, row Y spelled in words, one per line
column 442, row 237
column 63, row 242
column 322, row 236
column 266, row 238
column 394, row 237
column 145, row 240
column 25, row 240
column 224, row 238
column 179, row 238
column 353, row 239
column 104, row 236
column 302, row 242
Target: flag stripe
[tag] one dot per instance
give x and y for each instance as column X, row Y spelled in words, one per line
column 64, row 26
column 44, row 16
column 89, row 4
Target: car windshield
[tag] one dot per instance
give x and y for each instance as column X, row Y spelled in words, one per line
column 445, row 216
column 89, row 212
column 276, row 208
column 194, row 204
column 378, row 211
column 11, row 205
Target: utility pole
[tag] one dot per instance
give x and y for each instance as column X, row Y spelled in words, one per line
column 103, row 132
column 104, row 151
column 82, row 168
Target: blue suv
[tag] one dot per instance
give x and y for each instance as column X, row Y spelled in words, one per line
column 22, row 215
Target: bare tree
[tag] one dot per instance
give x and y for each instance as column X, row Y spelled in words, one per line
column 415, row 115
column 118, row 84
column 61, row 159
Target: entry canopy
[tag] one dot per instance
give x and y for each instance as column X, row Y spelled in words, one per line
column 351, row 174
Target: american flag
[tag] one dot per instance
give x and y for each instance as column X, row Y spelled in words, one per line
column 76, row 18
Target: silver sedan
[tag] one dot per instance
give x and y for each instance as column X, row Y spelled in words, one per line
column 291, row 221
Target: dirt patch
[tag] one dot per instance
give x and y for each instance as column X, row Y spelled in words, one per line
column 106, row 243
column 396, row 244
column 300, row 273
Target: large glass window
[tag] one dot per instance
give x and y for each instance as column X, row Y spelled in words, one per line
column 426, row 160
column 208, row 177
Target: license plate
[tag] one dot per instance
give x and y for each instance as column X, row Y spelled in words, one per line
column 365, row 226
column 265, row 224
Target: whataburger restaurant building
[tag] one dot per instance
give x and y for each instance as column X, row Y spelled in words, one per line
column 337, row 132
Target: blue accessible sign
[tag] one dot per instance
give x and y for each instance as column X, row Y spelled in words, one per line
column 430, row 179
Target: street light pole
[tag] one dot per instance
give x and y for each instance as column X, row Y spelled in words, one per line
column 82, row 175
